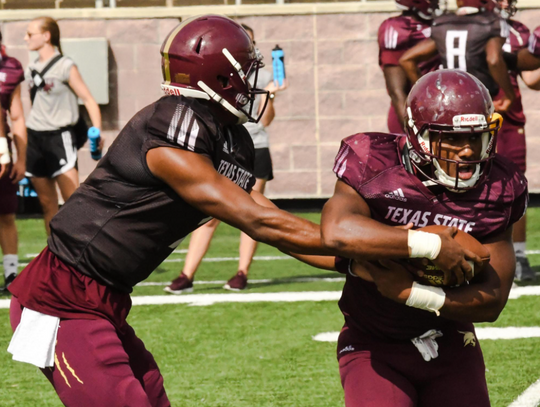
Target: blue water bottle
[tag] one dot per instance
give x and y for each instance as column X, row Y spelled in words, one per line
column 94, row 136
column 278, row 65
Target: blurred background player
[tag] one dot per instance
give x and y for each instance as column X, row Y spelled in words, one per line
column 52, row 142
column 404, row 343
column 397, row 35
column 200, row 238
column 470, row 40
column 529, row 60
column 511, row 141
column 11, row 76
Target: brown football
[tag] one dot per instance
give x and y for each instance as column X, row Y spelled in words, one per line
column 432, row 274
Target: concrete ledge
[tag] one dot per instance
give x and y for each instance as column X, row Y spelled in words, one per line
column 232, row 10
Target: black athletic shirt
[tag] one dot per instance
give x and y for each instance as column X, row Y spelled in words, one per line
column 461, row 41
column 122, row 222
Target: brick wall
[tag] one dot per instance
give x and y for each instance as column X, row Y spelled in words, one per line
column 336, row 87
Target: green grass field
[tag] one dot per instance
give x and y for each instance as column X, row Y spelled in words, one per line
column 260, row 354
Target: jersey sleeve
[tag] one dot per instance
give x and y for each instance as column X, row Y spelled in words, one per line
column 521, row 198
column 500, row 28
column 18, row 71
column 175, row 124
column 392, row 43
column 350, row 162
column 534, row 42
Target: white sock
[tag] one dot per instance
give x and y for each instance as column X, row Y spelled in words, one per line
column 519, row 248
column 11, row 264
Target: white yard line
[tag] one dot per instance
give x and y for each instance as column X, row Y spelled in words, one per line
column 260, row 281
column 530, row 397
column 209, row 299
column 510, row 332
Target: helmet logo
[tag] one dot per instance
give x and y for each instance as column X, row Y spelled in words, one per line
column 469, row 120
column 242, row 99
column 183, row 78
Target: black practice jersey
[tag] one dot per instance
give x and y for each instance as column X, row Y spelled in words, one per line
column 461, row 41
column 122, row 222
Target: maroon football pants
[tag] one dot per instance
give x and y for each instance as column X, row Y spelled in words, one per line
column 95, row 365
column 396, row 375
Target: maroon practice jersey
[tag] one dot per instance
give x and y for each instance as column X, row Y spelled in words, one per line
column 396, row 36
column 371, row 163
column 11, row 75
column 399, row 34
column 122, row 222
column 534, row 42
column 517, row 40
column 461, row 41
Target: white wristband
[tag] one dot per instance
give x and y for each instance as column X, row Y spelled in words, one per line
column 426, row 297
column 422, row 244
column 4, row 151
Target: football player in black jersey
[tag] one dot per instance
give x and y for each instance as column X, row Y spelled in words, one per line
column 470, row 40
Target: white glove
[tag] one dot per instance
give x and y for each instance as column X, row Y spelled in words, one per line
column 4, row 151
column 426, row 344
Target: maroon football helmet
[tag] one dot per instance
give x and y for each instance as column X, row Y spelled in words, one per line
column 482, row 5
column 450, row 102
column 425, row 9
column 211, row 57
column 510, row 10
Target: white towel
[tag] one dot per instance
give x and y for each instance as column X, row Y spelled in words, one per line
column 34, row 339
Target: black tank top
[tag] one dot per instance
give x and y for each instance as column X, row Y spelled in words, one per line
column 122, row 222
column 461, row 41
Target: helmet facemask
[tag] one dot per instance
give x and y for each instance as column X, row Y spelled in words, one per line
column 237, row 87
column 424, row 153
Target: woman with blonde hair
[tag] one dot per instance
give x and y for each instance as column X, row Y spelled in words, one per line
column 55, row 86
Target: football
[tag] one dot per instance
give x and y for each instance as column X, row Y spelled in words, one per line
column 432, row 275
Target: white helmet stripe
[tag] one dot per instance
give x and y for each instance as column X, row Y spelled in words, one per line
column 235, row 64
column 242, row 118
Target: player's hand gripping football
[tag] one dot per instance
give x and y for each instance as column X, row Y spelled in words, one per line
column 452, row 259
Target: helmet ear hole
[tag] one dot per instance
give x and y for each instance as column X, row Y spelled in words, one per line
column 224, row 81
column 199, row 45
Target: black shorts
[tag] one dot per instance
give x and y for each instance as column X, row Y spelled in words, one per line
column 263, row 164
column 50, row 153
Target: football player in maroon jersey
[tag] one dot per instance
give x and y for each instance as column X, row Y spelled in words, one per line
column 406, row 344
column 177, row 163
column 11, row 76
column 529, row 59
column 397, row 35
column 470, row 40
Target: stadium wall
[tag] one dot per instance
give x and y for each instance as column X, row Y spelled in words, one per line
column 336, row 87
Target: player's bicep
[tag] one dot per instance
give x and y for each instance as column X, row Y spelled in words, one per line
column 193, row 177
column 344, row 203
column 494, row 49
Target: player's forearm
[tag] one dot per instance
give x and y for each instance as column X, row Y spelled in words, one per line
column 499, row 72
column 398, row 102
column 356, row 236
column 531, row 79
column 411, row 69
column 473, row 304
column 287, row 232
column 527, row 61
